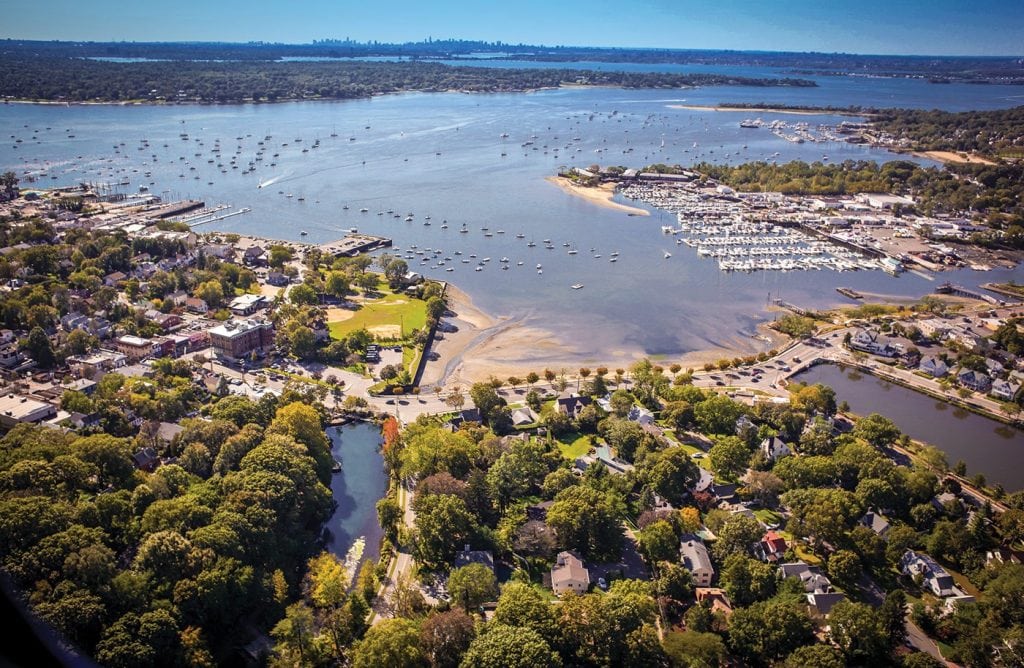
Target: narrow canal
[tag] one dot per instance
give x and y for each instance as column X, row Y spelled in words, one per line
column 353, row 533
column 986, row 446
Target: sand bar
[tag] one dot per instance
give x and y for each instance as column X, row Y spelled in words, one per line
column 600, row 195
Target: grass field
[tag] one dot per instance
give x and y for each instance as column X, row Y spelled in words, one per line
column 573, row 445
column 384, row 316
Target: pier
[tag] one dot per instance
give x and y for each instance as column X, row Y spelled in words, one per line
column 354, row 244
column 176, row 208
column 960, row 291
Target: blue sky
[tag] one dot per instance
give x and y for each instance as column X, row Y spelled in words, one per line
column 954, row 27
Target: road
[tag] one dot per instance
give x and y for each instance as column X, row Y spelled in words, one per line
column 401, row 564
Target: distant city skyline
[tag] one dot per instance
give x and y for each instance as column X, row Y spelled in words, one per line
column 910, row 27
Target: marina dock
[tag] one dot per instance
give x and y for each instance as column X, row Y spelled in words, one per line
column 354, row 244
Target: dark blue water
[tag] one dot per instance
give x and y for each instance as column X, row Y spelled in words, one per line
column 986, row 446
column 361, row 483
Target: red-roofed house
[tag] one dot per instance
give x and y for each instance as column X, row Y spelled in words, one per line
column 772, row 547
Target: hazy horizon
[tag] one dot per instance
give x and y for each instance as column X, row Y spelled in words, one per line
column 867, row 27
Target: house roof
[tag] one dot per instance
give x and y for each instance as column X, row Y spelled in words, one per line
column 694, row 555
column 823, row 602
column 466, row 557
column 569, row 568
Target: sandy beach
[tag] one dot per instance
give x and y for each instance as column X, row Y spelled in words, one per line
column 600, row 195
column 485, row 347
column 767, row 110
column 958, row 158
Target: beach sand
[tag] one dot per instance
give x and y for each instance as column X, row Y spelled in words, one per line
column 950, row 156
column 600, row 195
column 485, row 347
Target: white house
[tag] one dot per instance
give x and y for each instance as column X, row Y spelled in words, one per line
column 934, row 367
column 569, row 574
column 695, row 558
column 774, row 449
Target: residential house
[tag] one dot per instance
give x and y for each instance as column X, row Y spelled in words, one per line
column 96, row 365
column 974, row 380
column 869, row 342
column 772, row 548
column 1004, row 389
column 572, row 405
column 876, row 523
column 277, row 278
column 466, row 415
column 523, row 416
column 146, row 460
column 935, row 328
column 934, row 367
column 935, row 578
column 255, row 256
column 716, row 598
column 177, row 298
column 695, row 558
column 569, row 574
column 468, row 556
column 196, row 305
column 775, row 449
column 640, row 415
column 822, row 602
column 113, row 278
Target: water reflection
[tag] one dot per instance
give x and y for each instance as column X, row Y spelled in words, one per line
column 987, row 446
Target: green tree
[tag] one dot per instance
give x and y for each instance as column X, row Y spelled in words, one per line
column 729, row 457
column 443, row 525
column 738, row 535
column 659, row 542
column 520, row 605
column 877, row 430
column 510, row 647
column 303, row 294
column 694, row 648
column 393, row 642
column 717, row 414
column 815, row 656
column 746, row 580
column 769, row 630
column 588, row 521
column 856, row 630
column 38, row 347
column 844, row 568
column 472, row 585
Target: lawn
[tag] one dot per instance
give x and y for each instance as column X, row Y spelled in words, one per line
column 768, row 516
column 574, row 445
column 378, row 316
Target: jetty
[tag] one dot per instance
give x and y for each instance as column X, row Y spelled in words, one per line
column 850, row 292
column 948, row 288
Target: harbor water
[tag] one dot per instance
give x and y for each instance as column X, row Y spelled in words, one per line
column 988, row 447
